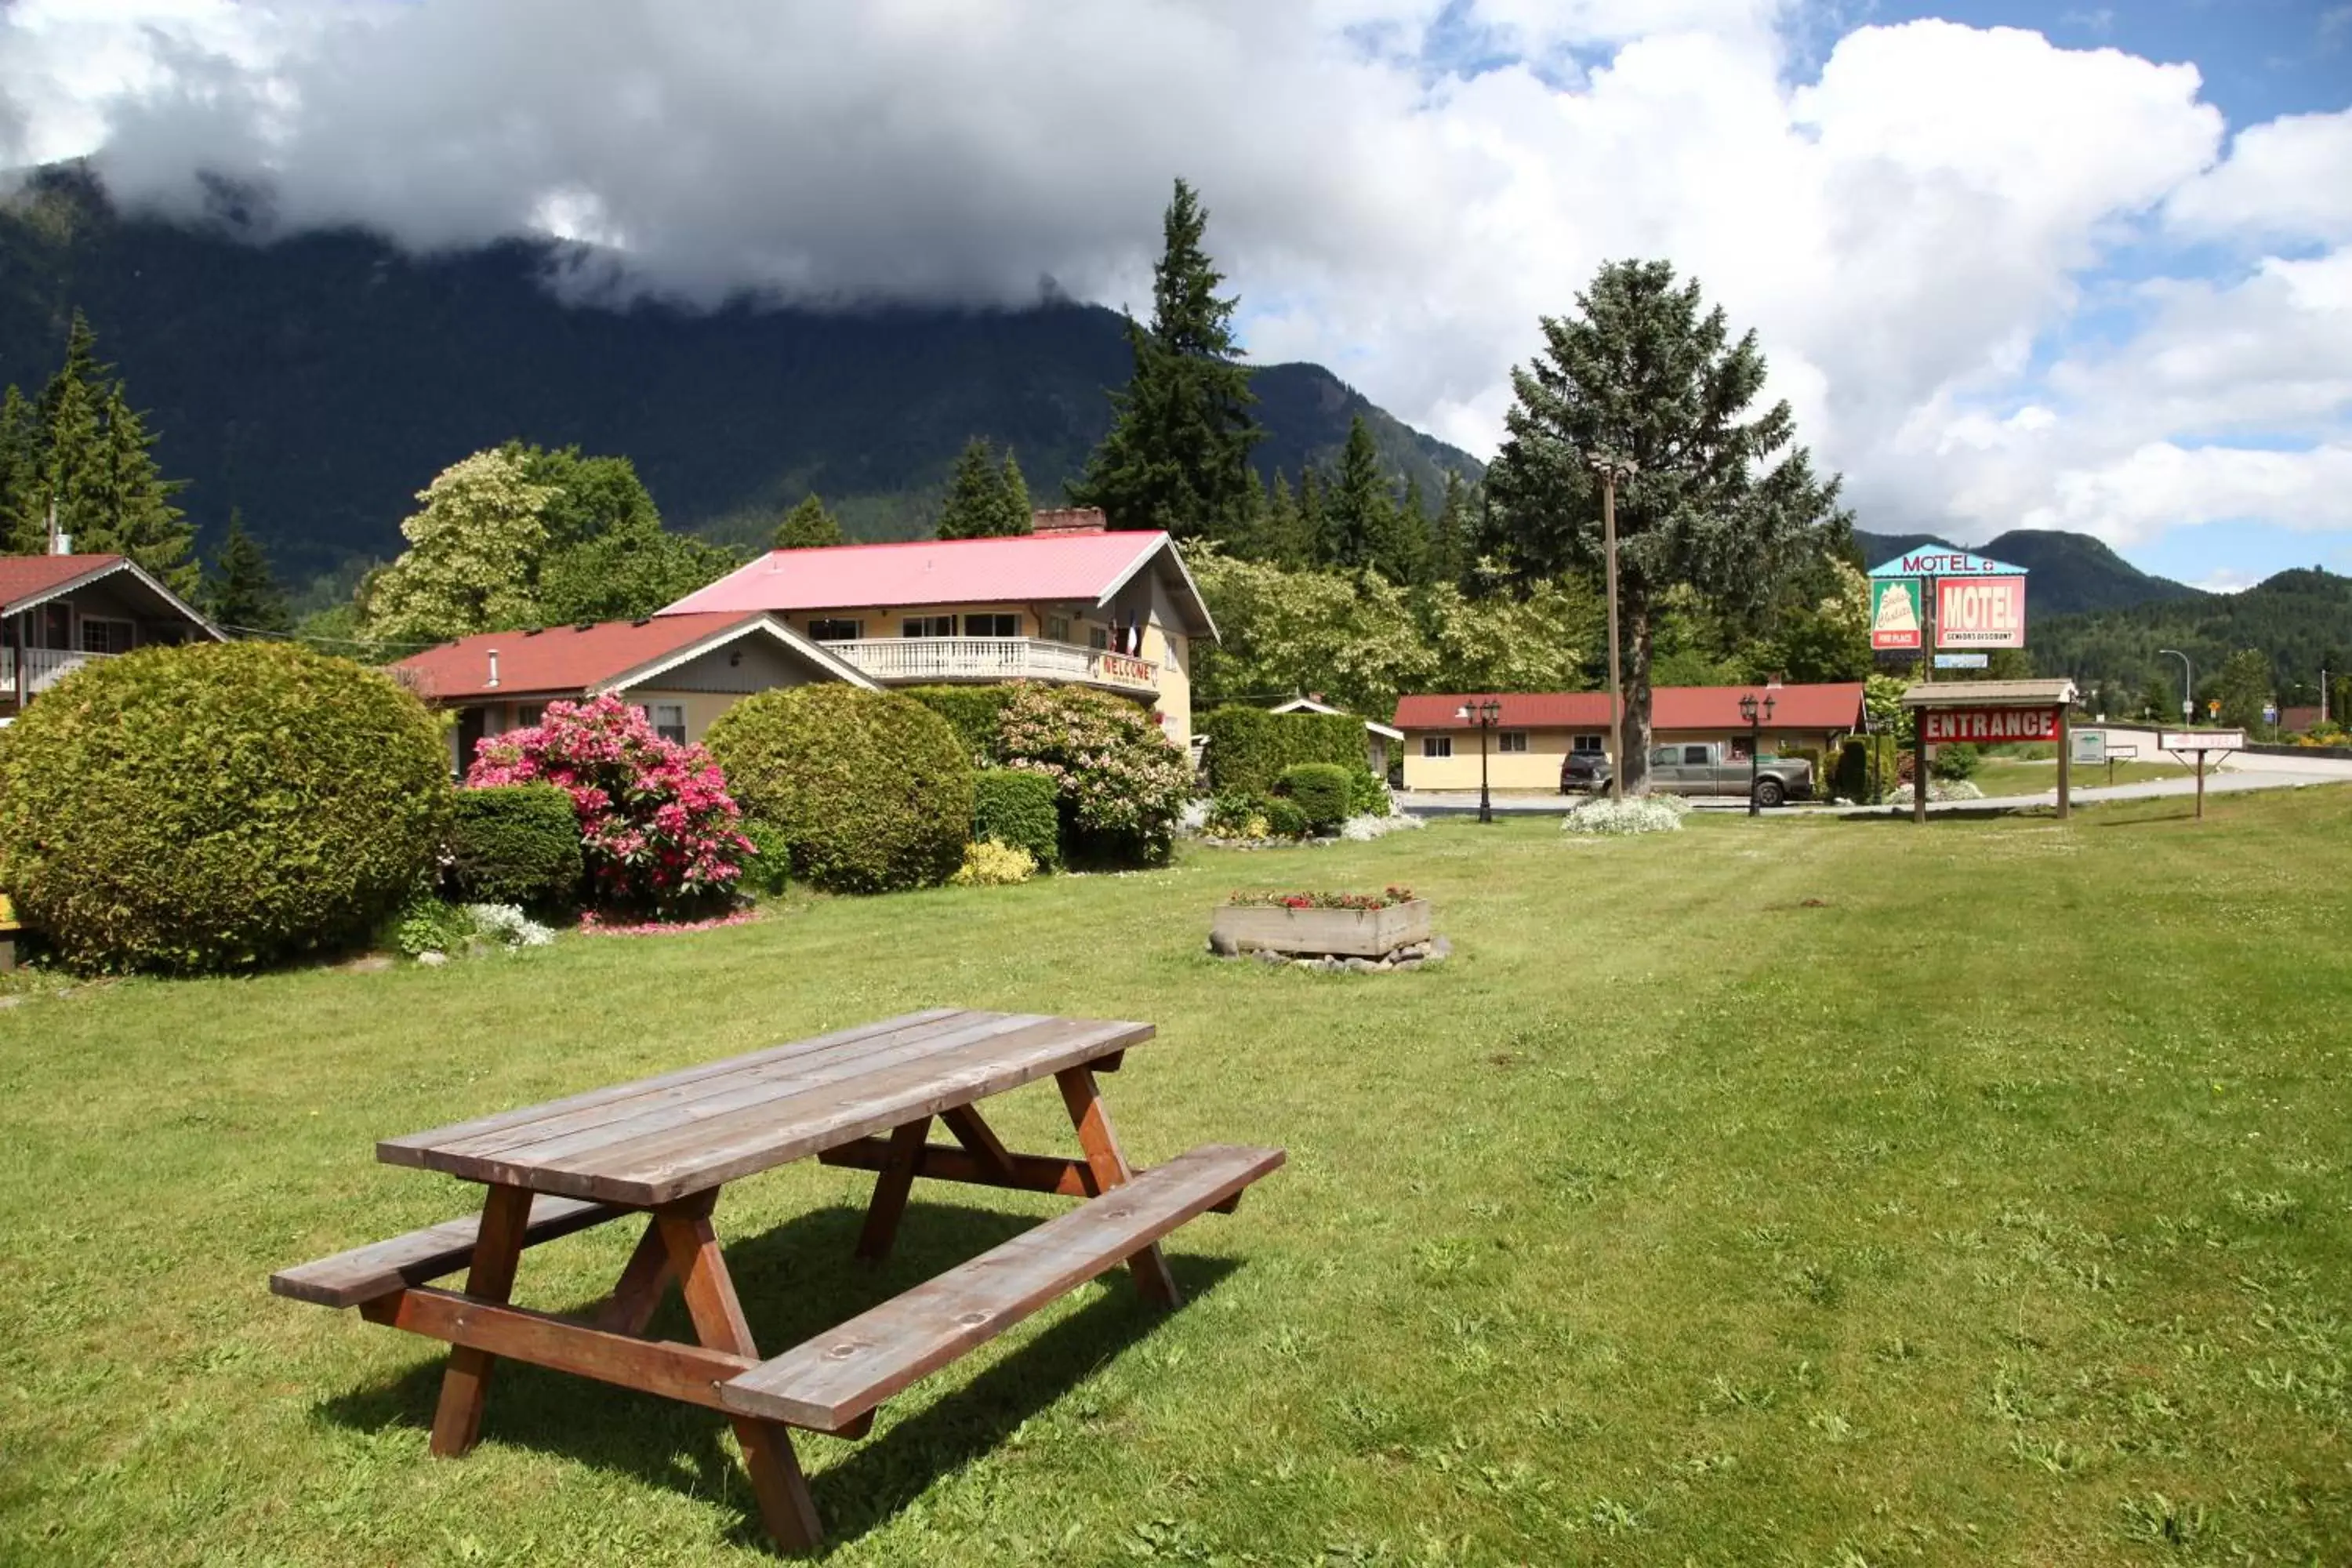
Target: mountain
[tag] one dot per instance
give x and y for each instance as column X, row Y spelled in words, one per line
column 319, row 382
column 2068, row 573
column 2302, row 620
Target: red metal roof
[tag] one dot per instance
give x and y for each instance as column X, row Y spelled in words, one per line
column 560, row 660
column 1833, row 706
column 25, row 577
column 1021, row 569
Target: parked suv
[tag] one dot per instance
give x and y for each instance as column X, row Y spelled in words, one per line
column 1694, row 767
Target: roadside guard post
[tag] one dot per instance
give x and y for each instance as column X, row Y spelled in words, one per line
column 1989, row 713
column 2185, row 744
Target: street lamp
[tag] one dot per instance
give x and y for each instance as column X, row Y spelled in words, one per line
column 2187, row 684
column 1755, row 716
column 1612, row 467
column 1484, row 713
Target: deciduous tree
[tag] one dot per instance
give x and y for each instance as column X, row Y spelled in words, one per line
column 474, row 545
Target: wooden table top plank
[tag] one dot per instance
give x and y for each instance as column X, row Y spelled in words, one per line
column 848, row 1053
column 479, row 1125
column 771, row 1117
column 674, row 1164
column 834, row 1378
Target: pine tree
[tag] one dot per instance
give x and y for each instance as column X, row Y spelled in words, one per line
column 808, row 526
column 242, row 595
column 975, row 508
column 1178, row 451
column 1014, row 517
column 1449, row 537
column 1359, row 519
column 133, row 502
column 21, row 502
column 1285, row 542
column 1315, row 548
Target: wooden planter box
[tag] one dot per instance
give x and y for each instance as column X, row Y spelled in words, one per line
column 1343, row 933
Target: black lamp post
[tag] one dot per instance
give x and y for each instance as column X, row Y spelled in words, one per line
column 1750, row 711
column 1485, row 714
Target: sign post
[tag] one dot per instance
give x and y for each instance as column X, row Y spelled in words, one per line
column 2199, row 742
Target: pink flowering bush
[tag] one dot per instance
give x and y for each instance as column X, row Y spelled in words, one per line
column 1121, row 781
column 657, row 827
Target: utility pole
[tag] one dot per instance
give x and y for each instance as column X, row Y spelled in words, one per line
column 1611, row 467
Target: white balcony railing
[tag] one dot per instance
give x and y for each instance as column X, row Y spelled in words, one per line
column 917, row 660
column 44, row 667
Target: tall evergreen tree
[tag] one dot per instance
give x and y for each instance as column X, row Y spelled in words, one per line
column 1449, row 537
column 1360, row 517
column 1178, row 451
column 808, row 526
column 1719, row 502
column 979, row 504
column 1286, row 544
column 21, row 503
column 131, row 508
column 1315, row 547
column 242, row 595
column 1014, row 517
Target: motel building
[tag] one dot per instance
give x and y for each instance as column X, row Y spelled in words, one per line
column 1536, row 730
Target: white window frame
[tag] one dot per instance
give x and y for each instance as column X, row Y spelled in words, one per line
column 655, row 712
column 1587, row 745
column 1436, row 748
column 82, row 633
column 932, row 627
column 1056, row 628
column 826, row 628
column 1011, row 619
column 1511, row 742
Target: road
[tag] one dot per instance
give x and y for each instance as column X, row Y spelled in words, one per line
column 2244, row 772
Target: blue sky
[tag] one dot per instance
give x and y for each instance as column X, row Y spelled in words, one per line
column 2073, row 266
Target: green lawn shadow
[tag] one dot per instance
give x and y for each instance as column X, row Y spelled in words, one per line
column 797, row 1282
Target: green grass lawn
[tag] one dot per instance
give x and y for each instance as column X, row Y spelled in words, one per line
column 2007, row 775
column 1780, row 1192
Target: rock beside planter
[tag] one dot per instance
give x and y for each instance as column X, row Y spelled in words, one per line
column 1413, row 956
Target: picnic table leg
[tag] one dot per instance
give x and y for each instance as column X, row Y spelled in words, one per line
column 642, row 1283
column 498, row 1247
column 775, row 1470
column 1109, row 1169
column 890, row 1189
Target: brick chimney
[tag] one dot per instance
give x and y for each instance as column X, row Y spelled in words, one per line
column 1068, row 520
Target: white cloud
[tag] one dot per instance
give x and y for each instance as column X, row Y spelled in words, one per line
column 1917, row 233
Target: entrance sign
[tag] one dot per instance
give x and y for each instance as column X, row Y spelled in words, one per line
column 1894, row 614
column 1980, row 612
column 1962, row 660
column 1981, row 726
column 2090, row 747
column 1941, row 563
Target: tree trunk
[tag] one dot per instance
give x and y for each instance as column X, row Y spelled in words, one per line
column 1635, row 764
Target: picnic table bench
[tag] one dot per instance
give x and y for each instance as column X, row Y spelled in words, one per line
column 662, row 1147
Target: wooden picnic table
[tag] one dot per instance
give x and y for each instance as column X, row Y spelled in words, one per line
column 663, row 1147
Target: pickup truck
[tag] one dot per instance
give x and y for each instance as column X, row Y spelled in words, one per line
column 1694, row 767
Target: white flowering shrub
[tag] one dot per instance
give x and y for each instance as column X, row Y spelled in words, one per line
column 508, row 925
column 1640, row 813
column 1937, row 789
column 1364, row 829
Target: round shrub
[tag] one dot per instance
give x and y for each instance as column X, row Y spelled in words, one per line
column 1321, row 790
column 514, row 844
column 993, row 863
column 218, row 805
column 1018, row 808
column 1122, row 783
column 872, row 790
column 1285, row 820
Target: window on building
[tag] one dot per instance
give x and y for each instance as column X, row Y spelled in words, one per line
column 1511, row 740
column 100, row 636
column 1437, row 745
column 1057, row 628
column 837, row 629
column 668, row 720
column 927, row 626
column 1097, row 637
column 529, row 715
column 1695, row 756
column 1586, row 746
column 991, row 625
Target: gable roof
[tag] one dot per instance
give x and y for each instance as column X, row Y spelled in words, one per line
column 1034, row 568
column 1832, row 706
column 28, row 582
column 610, row 655
column 1310, row 705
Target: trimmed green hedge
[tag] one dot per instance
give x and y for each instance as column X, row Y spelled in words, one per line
column 1017, row 806
column 218, row 805
column 1321, row 790
column 1851, row 776
column 1249, row 747
column 514, row 844
column 976, row 711
column 872, row 790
